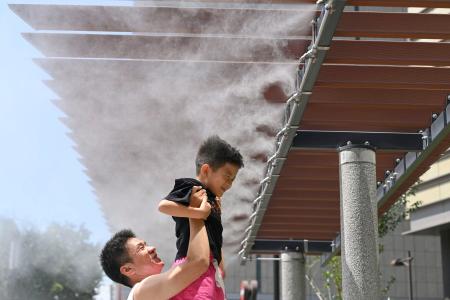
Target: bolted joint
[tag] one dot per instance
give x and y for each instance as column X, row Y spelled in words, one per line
column 434, row 116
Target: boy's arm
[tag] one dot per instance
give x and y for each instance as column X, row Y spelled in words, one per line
column 170, row 283
column 178, row 210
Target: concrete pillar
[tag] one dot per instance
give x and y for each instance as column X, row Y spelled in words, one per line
column 359, row 223
column 293, row 280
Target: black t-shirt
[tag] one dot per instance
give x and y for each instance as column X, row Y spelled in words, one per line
column 181, row 193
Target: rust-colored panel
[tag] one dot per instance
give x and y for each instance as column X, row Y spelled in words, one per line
column 384, row 77
column 334, row 116
column 292, row 220
column 308, row 185
column 309, row 235
column 367, row 126
column 300, row 202
column 400, row 3
column 363, row 113
column 421, row 99
column 225, row 21
column 394, row 25
column 244, row 22
column 387, row 3
column 195, row 48
column 301, row 212
column 316, row 227
column 389, row 53
column 317, row 159
column 225, row 49
column 382, row 97
column 293, row 195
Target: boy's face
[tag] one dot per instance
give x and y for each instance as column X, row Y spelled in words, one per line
column 221, row 179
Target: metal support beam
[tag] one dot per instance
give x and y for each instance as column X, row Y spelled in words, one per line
column 412, row 161
column 258, row 273
column 276, row 277
column 331, row 12
column 384, row 141
column 335, row 250
column 304, row 246
column 293, row 279
column 359, row 223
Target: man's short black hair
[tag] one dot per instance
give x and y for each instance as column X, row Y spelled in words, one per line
column 216, row 152
column 115, row 254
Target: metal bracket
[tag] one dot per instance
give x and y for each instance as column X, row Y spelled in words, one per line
column 384, row 141
column 304, row 246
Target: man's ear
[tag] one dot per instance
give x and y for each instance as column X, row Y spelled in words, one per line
column 127, row 270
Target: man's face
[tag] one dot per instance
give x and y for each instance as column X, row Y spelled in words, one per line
column 145, row 260
column 221, row 180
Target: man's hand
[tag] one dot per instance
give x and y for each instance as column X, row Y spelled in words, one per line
column 196, row 196
column 199, row 208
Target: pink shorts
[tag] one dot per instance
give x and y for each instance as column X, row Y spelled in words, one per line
column 205, row 287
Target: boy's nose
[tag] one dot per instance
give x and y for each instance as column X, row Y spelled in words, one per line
column 151, row 249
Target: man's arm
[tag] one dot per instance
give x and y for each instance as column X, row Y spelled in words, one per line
column 178, row 210
column 170, row 283
column 222, row 266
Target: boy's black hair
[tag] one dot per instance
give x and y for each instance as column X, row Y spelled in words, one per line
column 216, row 152
column 115, row 254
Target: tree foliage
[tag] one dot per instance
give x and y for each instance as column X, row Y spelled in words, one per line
column 57, row 263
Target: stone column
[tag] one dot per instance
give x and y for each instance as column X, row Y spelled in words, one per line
column 293, row 280
column 359, row 223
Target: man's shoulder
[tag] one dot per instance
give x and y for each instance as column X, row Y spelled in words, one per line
column 131, row 294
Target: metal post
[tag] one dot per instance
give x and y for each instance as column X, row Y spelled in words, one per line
column 410, row 276
column 406, row 262
column 258, row 273
column 359, row 222
column 293, row 280
column 445, row 252
column 276, row 278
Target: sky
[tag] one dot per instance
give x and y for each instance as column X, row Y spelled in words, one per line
column 41, row 179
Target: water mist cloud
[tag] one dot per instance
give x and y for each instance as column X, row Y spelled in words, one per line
column 138, row 123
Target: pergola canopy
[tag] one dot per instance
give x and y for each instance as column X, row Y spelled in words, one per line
column 362, row 83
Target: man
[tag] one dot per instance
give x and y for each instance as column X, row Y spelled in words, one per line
column 131, row 262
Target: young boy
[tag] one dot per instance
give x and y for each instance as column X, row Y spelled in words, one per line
column 217, row 164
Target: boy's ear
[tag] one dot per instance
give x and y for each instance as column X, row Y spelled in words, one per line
column 204, row 169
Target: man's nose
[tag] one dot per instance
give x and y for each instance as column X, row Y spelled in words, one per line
column 151, row 249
